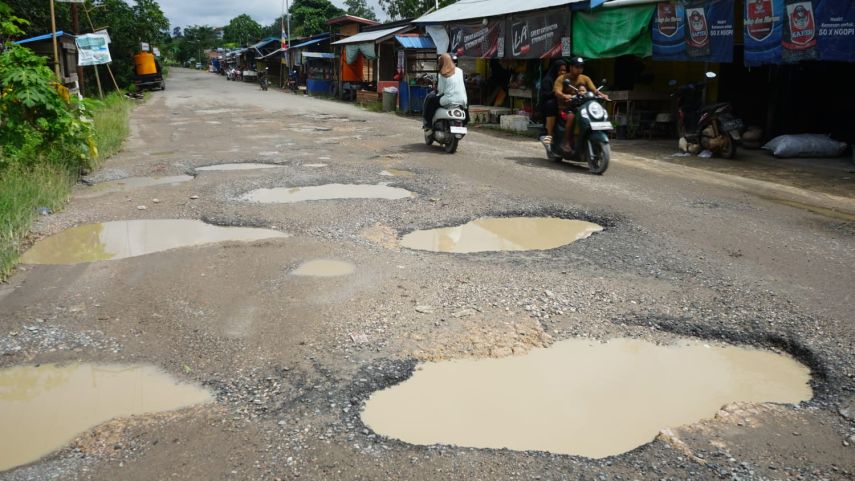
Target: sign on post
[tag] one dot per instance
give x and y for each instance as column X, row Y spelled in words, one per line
column 92, row 49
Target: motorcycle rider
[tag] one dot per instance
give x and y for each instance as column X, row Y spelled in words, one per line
column 577, row 78
column 450, row 90
column 548, row 102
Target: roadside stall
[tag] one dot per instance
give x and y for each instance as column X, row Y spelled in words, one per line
column 320, row 73
column 417, row 67
column 298, row 59
column 375, row 49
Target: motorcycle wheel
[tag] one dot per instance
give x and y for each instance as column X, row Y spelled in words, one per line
column 600, row 161
column 728, row 149
column 451, row 147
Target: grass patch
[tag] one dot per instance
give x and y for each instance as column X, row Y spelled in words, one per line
column 373, row 106
column 24, row 190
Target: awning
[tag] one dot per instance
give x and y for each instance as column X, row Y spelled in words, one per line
column 39, row 38
column 319, row 55
column 477, row 9
column 265, row 42
column 313, row 41
column 373, row 36
column 280, row 50
column 415, row 42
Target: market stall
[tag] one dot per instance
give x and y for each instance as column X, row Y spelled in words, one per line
column 417, row 68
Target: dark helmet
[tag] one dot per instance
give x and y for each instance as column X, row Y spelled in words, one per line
column 577, row 62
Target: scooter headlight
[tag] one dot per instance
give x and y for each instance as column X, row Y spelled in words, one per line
column 596, row 111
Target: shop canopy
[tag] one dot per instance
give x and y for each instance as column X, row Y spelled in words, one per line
column 415, row 42
column 477, row 9
column 373, row 36
column 314, row 41
column 319, row 55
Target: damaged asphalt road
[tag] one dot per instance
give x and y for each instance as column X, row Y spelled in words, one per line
column 291, row 360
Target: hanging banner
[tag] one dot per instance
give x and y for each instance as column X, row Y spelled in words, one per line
column 789, row 31
column 92, row 49
column 477, row 40
column 612, row 32
column 543, row 35
column 694, row 31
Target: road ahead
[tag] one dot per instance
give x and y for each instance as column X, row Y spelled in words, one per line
column 291, row 360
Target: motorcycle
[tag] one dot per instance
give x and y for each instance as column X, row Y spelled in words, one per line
column 263, row 79
column 590, row 140
column 233, row 74
column 448, row 127
column 708, row 127
column 292, row 82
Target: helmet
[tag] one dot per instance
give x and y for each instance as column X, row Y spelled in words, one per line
column 577, row 62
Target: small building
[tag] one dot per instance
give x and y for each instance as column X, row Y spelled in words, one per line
column 43, row 45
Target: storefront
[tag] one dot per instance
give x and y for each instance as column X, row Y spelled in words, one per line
column 375, row 51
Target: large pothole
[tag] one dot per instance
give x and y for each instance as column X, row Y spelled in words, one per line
column 236, row 166
column 131, row 238
column 580, row 397
column 490, row 234
column 42, row 408
column 287, row 195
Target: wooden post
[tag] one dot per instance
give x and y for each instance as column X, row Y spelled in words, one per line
column 75, row 28
column 55, row 46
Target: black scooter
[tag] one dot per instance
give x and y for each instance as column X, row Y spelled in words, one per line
column 263, row 80
column 590, row 140
column 709, row 127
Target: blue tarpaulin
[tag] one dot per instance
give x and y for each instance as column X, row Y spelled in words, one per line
column 46, row 36
column 415, row 42
column 699, row 31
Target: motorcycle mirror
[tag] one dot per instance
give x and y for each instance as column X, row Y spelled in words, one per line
column 711, row 75
column 672, row 83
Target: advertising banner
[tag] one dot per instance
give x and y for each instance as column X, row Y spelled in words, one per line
column 694, row 30
column 477, row 40
column 788, row 31
column 92, row 49
column 542, row 35
column 612, row 32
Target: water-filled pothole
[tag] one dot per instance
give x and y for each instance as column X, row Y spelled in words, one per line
column 324, row 268
column 130, row 183
column 284, row 195
column 122, row 239
column 490, row 234
column 43, row 408
column 236, row 166
column 580, row 397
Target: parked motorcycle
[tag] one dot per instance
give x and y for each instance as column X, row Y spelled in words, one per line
column 590, row 140
column 232, row 73
column 263, row 79
column 706, row 127
column 293, row 86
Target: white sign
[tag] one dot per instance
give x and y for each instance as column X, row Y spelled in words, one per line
column 92, row 49
column 145, row 47
column 156, row 51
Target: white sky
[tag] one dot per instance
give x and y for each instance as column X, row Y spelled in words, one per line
column 217, row 13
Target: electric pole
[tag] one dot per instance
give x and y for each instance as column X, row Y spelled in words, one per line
column 55, row 46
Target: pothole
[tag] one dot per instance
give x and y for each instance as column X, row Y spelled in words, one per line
column 490, row 234
column 315, row 166
column 123, row 239
column 236, row 166
column 42, row 408
column 287, row 195
column 130, row 183
column 580, row 397
column 324, row 268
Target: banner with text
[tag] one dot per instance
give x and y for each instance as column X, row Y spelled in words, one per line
column 788, row 31
column 477, row 40
column 694, row 30
column 93, row 49
column 542, row 35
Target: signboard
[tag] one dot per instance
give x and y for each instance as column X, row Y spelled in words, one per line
column 477, row 40
column 145, row 47
column 789, row 31
column 92, row 49
column 155, row 51
column 696, row 30
column 541, row 35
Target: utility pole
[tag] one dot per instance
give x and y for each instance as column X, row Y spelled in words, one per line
column 55, row 46
column 75, row 27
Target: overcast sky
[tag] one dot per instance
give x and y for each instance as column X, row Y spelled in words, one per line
column 217, row 13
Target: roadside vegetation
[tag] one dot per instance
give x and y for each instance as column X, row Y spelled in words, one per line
column 48, row 138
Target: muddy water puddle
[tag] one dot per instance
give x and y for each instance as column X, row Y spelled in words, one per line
column 580, row 397
column 286, row 195
column 490, row 234
column 236, row 166
column 123, row 239
column 131, row 183
column 324, row 268
column 43, row 408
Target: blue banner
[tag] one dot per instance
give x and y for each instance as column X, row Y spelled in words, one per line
column 789, row 31
column 694, row 30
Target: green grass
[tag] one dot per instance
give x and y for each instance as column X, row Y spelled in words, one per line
column 373, row 106
column 24, row 190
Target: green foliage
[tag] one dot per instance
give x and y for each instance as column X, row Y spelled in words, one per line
column 309, row 17
column 193, row 43
column 400, row 9
column 243, row 30
column 38, row 123
column 360, row 8
column 110, row 118
column 10, row 25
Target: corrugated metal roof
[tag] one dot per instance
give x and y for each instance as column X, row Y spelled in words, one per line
column 40, row 38
column 319, row 55
column 407, row 41
column 312, row 41
column 369, row 36
column 264, row 42
column 470, row 9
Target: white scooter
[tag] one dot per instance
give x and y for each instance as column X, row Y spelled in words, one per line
column 448, row 127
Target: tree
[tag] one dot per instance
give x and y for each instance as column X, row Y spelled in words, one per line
column 399, row 9
column 10, row 25
column 360, row 8
column 176, row 32
column 309, row 17
column 196, row 40
column 242, row 30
